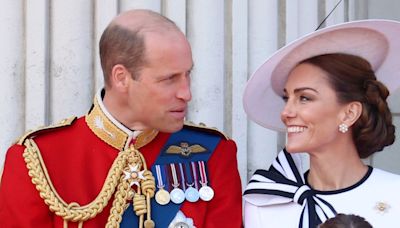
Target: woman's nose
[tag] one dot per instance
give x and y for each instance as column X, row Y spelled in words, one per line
column 288, row 111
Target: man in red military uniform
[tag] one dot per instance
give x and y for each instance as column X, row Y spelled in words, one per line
column 131, row 161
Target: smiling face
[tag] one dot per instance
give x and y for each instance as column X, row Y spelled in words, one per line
column 158, row 97
column 312, row 113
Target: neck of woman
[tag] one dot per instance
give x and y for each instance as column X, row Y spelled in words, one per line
column 335, row 169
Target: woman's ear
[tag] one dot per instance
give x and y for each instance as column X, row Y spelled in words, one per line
column 120, row 77
column 352, row 112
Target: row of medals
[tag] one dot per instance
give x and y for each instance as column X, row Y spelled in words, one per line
column 178, row 195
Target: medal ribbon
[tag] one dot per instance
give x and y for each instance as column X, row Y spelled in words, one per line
column 188, row 173
column 203, row 173
column 175, row 183
column 182, row 177
column 194, row 171
column 160, row 182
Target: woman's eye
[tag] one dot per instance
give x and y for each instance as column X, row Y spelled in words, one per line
column 304, row 98
column 285, row 98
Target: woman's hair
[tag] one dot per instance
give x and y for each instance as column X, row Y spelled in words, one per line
column 346, row 221
column 354, row 80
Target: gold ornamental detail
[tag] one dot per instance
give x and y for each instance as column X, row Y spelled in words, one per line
column 116, row 182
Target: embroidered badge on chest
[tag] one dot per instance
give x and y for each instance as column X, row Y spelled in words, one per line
column 185, row 149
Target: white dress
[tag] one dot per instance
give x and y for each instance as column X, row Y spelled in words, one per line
column 376, row 198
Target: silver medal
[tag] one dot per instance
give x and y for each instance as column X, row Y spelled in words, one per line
column 177, row 195
column 206, row 193
column 181, row 225
column 192, row 195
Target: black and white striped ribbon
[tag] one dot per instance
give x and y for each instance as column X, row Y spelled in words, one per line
column 283, row 183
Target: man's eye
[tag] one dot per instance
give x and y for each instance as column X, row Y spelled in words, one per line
column 170, row 78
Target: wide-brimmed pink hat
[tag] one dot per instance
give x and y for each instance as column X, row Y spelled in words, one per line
column 377, row 41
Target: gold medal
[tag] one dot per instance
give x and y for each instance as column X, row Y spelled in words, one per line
column 162, row 197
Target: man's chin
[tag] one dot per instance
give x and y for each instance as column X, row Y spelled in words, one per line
column 173, row 127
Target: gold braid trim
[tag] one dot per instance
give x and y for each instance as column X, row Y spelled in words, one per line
column 148, row 188
column 73, row 211
column 124, row 193
column 120, row 204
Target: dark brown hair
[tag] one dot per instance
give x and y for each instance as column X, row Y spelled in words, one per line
column 354, row 80
column 346, row 221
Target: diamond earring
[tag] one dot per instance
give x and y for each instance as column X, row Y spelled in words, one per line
column 343, row 128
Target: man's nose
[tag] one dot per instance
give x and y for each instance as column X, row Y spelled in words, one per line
column 184, row 91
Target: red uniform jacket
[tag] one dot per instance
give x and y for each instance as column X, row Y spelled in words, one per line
column 78, row 162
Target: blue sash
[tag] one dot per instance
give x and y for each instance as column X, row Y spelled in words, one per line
column 164, row 214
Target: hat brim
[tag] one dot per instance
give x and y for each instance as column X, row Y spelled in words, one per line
column 377, row 41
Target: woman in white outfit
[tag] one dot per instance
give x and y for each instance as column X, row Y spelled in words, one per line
column 328, row 91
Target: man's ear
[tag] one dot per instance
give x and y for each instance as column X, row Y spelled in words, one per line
column 120, row 77
column 352, row 112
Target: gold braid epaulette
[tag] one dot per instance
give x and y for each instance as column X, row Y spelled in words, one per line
column 73, row 211
column 203, row 127
column 29, row 134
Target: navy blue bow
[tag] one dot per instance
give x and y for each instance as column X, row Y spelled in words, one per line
column 282, row 183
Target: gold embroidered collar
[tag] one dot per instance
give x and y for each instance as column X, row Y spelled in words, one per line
column 112, row 132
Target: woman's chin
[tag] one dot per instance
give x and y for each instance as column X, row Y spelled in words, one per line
column 293, row 149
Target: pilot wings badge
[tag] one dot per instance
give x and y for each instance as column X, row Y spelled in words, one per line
column 185, row 150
